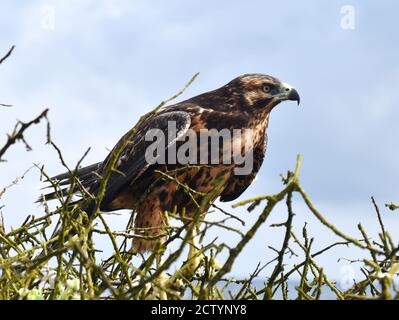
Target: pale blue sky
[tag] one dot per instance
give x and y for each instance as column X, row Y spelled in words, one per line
column 104, row 63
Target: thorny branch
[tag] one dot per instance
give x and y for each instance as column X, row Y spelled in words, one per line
column 78, row 269
column 7, row 54
column 1, row 61
column 18, row 133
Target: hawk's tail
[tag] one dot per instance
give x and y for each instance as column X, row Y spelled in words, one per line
column 87, row 176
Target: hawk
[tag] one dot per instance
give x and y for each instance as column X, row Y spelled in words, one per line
column 150, row 189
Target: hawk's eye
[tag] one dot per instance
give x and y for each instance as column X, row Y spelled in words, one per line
column 267, row 88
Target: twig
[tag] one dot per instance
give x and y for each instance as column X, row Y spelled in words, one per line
column 7, row 54
column 19, row 131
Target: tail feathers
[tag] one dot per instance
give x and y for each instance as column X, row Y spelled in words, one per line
column 53, row 195
column 79, row 173
column 87, row 176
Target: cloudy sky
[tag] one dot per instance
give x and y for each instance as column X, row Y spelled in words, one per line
column 99, row 65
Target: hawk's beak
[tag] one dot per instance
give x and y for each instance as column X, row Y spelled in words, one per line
column 294, row 96
column 288, row 92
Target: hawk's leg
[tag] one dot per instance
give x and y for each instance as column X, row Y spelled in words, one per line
column 149, row 225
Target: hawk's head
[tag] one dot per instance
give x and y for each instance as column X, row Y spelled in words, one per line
column 263, row 91
column 256, row 92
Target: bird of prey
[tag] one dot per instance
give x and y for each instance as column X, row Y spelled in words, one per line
column 150, row 189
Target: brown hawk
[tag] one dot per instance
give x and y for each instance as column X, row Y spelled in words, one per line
column 243, row 103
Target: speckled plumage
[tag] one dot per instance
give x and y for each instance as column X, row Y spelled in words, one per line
column 244, row 103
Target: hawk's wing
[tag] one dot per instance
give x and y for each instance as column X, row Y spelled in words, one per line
column 133, row 163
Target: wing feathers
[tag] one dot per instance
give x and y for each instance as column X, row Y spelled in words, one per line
column 132, row 162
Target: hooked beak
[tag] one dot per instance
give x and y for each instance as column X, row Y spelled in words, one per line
column 288, row 92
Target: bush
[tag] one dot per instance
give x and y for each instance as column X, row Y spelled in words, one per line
column 75, row 270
